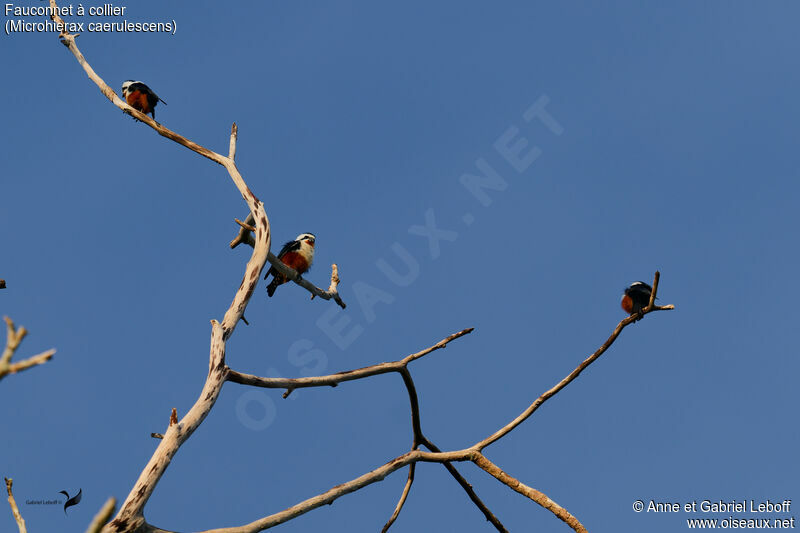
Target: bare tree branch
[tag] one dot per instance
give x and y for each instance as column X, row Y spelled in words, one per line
column 13, row 339
column 102, row 516
column 14, row 336
column 399, row 366
column 420, row 439
column 338, row 491
column 244, row 225
column 490, row 517
column 535, row 495
column 416, row 427
column 575, row 373
column 14, row 508
column 245, row 236
column 333, row 380
column 403, row 497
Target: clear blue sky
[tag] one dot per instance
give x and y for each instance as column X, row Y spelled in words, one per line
column 678, row 152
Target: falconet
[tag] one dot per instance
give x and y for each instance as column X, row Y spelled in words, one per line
column 140, row 97
column 636, row 297
column 297, row 254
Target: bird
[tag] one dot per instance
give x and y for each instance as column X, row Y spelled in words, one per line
column 636, row 297
column 140, row 97
column 297, row 254
column 75, row 500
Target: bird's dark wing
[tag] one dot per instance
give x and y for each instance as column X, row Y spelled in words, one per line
column 290, row 246
column 640, row 292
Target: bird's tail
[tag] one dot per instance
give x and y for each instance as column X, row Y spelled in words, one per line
column 272, row 286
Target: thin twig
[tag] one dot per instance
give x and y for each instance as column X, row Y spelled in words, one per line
column 334, row 379
column 403, row 496
column 232, row 145
column 416, row 423
column 338, row 491
column 490, row 517
column 420, row 439
column 14, row 508
column 416, row 427
column 245, row 235
column 535, row 495
column 14, row 337
column 101, row 518
column 244, row 225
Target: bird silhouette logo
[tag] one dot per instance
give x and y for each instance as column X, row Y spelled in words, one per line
column 75, row 500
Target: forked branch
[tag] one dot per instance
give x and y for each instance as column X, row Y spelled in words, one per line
column 14, row 337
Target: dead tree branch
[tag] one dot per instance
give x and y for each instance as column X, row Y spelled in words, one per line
column 529, row 492
column 13, row 339
column 400, row 366
column 420, row 439
column 102, row 516
column 338, row 491
column 14, row 508
column 500, row 433
column 333, row 380
column 490, row 517
column 403, row 496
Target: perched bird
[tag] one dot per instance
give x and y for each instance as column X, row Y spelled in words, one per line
column 636, row 297
column 140, row 97
column 75, row 500
column 297, row 254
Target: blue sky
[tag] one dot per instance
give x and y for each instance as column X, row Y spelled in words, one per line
column 677, row 151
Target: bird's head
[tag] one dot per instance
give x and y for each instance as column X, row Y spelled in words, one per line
column 125, row 85
column 308, row 238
